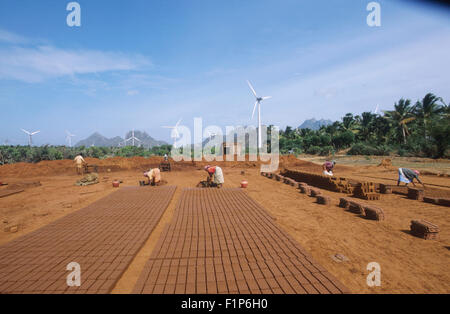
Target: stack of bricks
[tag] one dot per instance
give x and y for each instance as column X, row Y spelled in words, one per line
column 356, row 208
column 424, row 229
column 344, row 202
column 324, row 200
column 306, row 189
column 374, row 213
column 415, row 194
column 431, row 200
column 366, row 190
column 315, row 192
column 324, row 182
column 389, row 189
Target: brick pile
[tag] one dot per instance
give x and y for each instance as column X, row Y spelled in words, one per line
column 389, row 189
column 424, row 229
column 374, row 213
column 334, row 184
column 221, row 241
column 367, row 191
column 324, row 200
column 306, row 189
column 444, row 202
column 344, row 202
column 315, row 192
column 356, row 207
column 103, row 238
column 431, row 200
column 415, row 194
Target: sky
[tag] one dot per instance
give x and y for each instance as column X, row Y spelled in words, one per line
column 144, row 64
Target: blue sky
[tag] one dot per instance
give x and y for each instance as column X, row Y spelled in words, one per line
column 144, row 64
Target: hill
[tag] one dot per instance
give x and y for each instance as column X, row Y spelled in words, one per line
column 314, row 124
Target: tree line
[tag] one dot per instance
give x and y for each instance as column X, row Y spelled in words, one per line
column 13, row 154
column 421, row 129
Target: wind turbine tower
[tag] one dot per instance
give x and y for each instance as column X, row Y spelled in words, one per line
column 30, row 136
column 69, row 138
column 258, row 104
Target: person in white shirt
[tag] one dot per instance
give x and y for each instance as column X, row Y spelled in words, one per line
column 79, row 161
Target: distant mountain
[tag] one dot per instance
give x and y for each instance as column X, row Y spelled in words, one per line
column 99, row 140
column 314, row 124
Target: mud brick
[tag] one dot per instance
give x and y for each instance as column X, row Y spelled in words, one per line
column 424, row 226
column 356, row 207
column 324, row 200
column 315, row 192
column 385, row 189
column 415, row 194
column 344, row 202
column 305, row 189
column 374, row 213
column 431, row 200
column 444, row 202
column 424, row 229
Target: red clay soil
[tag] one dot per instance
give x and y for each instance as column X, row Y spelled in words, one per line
column 221, row 241
column 409, row 264
column 102, row 238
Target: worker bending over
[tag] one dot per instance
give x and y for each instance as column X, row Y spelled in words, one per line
column 154, row 176
column 328, row 168
column 215, row 176
column 79, row 161
column 407, row 176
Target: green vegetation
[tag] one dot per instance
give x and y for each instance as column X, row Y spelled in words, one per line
column 12, row 154
column 421, row 130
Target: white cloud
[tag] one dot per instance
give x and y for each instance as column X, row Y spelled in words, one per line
column 9, row 37
column 37, row 64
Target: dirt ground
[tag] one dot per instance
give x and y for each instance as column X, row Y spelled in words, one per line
column 408, row 264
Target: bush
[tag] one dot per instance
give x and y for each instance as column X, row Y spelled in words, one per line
column 313, row 150
column 326, row 151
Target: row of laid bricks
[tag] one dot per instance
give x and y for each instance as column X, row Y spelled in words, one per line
column 419, row 228
column 102, row 238
column 222, row 241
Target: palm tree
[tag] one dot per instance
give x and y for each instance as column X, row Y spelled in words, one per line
column 427, row 109
column 401, row 116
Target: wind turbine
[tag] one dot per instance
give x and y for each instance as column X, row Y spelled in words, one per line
column 132, row 138
column 258, row 104
column 376, row 110
column 30, row 136
column 174, row 131
column 69, row 137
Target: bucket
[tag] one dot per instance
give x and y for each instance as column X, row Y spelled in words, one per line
column 115, row 184
column 244, row 184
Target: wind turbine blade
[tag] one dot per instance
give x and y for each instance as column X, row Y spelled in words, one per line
column 251, row 87
column 266, row 97
column 26, row 131
column 168, row 127
column 254, row 108
column 178, row 123
column 35, row 132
